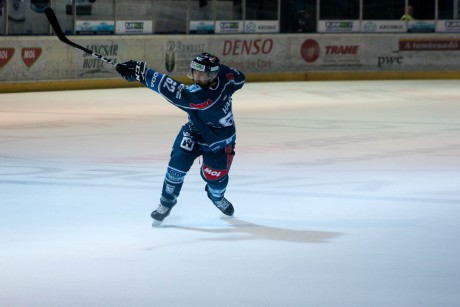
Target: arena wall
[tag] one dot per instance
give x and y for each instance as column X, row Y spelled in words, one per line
column 34, row 63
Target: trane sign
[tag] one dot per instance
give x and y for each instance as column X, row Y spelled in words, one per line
column 348, row 49
column 247, row 46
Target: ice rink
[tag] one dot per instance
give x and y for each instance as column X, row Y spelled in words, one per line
column 345, row 194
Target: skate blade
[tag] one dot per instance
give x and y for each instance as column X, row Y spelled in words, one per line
column 156, row 223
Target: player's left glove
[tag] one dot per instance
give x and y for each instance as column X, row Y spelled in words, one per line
column 132, row 71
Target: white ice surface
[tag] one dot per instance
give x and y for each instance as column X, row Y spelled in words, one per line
column 346, row 194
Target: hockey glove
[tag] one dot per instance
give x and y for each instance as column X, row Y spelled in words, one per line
column 132, row 71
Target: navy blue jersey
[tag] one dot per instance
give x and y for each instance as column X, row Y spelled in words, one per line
column 209, row 109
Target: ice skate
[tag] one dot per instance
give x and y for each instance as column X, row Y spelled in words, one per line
column 224, row 205
column 160, row 214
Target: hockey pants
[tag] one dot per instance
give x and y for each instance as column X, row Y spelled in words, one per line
column 214, row 169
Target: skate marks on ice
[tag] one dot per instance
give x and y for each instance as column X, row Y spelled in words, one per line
column 241, row 230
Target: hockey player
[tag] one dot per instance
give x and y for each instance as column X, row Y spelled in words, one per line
column 210, row 130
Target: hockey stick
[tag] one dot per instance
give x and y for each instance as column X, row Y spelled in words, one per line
column 57, row 29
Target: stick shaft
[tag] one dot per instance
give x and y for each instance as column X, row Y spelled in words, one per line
column 57, row 29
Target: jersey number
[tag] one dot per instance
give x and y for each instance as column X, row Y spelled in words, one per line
column 170, row 84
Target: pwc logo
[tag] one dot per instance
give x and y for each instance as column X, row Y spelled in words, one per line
column 30, row 55
column 5, row 56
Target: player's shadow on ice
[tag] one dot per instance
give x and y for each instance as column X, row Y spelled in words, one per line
column 242, row 230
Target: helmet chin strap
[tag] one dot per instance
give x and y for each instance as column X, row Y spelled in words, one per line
column 214, row 82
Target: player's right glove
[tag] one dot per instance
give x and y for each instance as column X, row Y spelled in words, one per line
column 132, row 71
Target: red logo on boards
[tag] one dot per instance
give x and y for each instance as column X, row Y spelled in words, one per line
column 30, row 55
column 310, row 50
column 245, row 46
column 5, row 55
